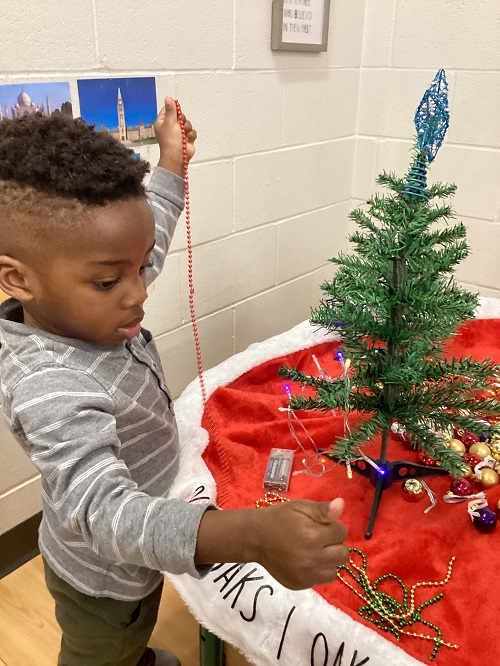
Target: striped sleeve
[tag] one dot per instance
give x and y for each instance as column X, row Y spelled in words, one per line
column 70, row 432
column 165, row 194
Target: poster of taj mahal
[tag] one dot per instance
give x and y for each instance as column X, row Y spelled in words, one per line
column 26, row 99
column 126, row 107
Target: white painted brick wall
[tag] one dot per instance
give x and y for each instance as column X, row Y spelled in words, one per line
column 404, row 44
column 288, row 143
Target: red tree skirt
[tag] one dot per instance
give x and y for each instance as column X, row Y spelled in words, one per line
column 406, row 542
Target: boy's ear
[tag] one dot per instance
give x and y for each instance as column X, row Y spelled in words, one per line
column 15, row 279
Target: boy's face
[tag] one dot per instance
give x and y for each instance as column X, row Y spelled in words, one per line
column 93, row 286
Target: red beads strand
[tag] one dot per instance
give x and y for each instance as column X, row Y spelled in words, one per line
column 222, row 488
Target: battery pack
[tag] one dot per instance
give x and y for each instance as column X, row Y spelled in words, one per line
column 278, row 470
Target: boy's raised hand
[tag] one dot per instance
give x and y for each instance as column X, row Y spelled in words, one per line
column 300, row 543
column 168, row 132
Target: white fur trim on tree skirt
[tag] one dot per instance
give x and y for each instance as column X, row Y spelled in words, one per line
column 243, row 604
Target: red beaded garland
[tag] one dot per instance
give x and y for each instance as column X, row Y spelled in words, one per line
column 426, row 459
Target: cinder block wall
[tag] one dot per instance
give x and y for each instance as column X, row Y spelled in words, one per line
column 271, row 181
column 404, row 44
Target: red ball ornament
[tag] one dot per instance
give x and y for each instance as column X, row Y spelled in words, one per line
column 461, row 487
column 426, row 459
column 472, row 460
column 469, row 438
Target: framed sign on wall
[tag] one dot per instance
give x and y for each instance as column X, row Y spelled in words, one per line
column 300, row 25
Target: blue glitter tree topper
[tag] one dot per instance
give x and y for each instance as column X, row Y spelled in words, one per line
column 432, row 116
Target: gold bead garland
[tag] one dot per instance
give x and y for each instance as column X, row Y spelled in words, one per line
column 269, row 499
column 387, row 613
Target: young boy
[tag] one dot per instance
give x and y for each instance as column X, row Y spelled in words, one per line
column 83, row 392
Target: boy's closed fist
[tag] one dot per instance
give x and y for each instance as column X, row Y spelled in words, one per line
column 300, row 542
column 168, row 132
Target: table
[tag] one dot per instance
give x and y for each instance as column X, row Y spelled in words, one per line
column 245, row 606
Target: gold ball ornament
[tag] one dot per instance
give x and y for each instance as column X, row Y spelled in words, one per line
column 480, row 450
column 413, row 490
column 467, row 471
column 457, row 446
column 444, row 435
column 489, row 477
column 495, row 449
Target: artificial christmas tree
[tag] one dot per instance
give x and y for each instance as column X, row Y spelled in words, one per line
column 394, row 303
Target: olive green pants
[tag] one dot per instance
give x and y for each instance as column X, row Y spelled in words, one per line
column 99, row 631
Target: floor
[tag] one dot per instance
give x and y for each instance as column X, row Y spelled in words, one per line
column 29, row 635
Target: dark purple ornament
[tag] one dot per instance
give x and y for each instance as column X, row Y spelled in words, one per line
column 486, row 520
column 461, row 487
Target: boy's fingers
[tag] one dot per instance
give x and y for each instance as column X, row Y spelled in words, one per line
column 336, row 508
column 170, row 107
column 337, row 554
column 328, row 512
column 329, row 516
column 169, row 103
column 168, row 112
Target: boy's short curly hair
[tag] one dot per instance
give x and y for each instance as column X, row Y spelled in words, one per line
column 65, row 157
column 54, row 172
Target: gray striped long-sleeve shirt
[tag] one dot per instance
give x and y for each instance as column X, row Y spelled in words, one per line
column 98, row 423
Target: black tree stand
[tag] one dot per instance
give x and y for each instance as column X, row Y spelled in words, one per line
column 390, row 472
